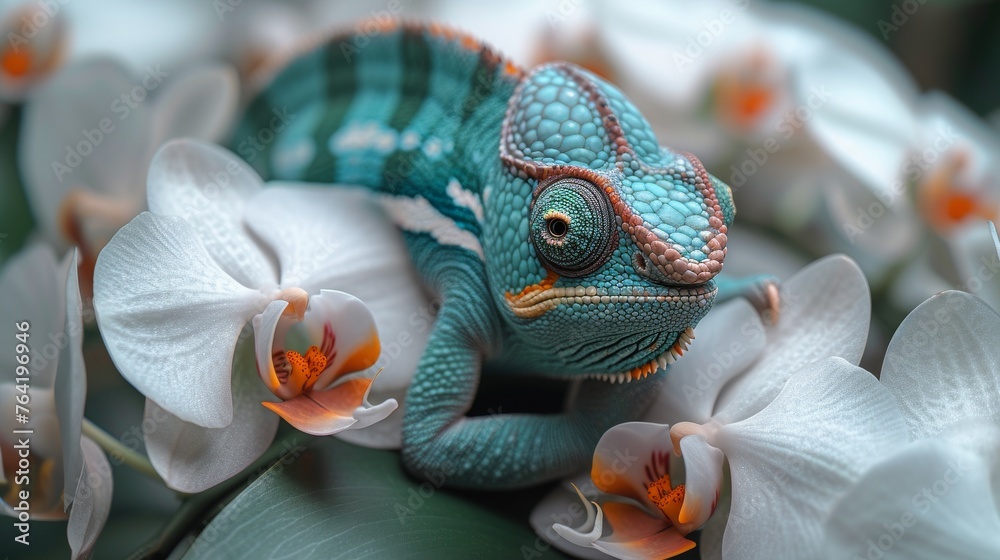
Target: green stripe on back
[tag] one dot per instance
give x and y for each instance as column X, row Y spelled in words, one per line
column 341, row 87
column 416, row 60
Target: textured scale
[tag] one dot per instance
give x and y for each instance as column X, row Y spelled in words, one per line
column 561, row 237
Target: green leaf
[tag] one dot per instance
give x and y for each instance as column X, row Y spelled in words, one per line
column 16, row 219
column 337, row 500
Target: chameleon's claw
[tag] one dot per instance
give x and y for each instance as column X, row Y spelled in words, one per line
column 761, row 291
column 765, row 296
column 770, row 308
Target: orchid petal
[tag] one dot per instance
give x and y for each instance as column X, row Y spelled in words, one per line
column 71, row 380
column 935, row 388
column 974, row 249
column 171, row 317
column 33, row 294
column 878, row 243
column 650, row 40
column 793, row 459
column 728, row 340
column 200, row 103
column 267, row 330
column 702, row 481
column 323, row 413
column 630, row 456
column 637, row 535
column 338, row 239
column 191, row 458
column 63, row 145
column 45, row 50
column 941, row 114
column 863, row 112
column 356, row 344
column 586, row 534
column 209, row 187
column 562, row 506
column 92, row 500
column 712, row 534
column 825, row 312
column 927, row 501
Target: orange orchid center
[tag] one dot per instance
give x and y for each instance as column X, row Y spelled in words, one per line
column 747, row 91
column 16, row 63
column 752, row 101
column 298, row 373
column 305, row 369
column 668, row 499
column 945, row 203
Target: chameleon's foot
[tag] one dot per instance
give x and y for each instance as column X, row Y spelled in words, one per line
column 761, row 291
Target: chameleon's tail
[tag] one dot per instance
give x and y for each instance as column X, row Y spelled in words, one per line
column 376, row 106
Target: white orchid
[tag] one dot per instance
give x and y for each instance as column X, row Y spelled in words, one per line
column 939, row 496
column 954, row 170
column 797, row 421
column 89, row 133
column 42, row 36
column 176, row 286
column 49, row 468
column 808, row 119
column 32, row 51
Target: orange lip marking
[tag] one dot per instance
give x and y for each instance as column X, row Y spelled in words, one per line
column 545, row 284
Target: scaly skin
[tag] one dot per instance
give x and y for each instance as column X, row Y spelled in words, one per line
column 539, row 205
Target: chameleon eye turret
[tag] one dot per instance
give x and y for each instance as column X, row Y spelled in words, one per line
column 572, row 226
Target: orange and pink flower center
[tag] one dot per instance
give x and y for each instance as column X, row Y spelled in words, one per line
column 299, row 372
column 747, row 91
column 945, row 203
column 666, row 498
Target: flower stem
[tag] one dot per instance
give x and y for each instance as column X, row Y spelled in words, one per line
column 118, row 451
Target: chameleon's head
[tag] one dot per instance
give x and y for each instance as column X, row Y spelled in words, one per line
column 621, row 239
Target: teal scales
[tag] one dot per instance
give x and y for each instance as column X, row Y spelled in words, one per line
column 559, row 234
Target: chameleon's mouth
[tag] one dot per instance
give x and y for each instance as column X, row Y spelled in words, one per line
column 660, row 362
column 530, row 304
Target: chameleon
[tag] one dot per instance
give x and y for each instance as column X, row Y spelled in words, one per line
column 560, row 236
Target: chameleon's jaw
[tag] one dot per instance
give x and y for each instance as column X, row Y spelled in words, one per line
column 660, row 362
column 535, row 303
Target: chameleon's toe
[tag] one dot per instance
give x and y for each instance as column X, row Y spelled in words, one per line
column 769, row 305
column 763, row 292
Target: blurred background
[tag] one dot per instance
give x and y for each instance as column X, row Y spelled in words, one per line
column 865, row 127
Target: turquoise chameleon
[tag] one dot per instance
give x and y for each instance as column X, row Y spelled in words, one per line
column 560, row 236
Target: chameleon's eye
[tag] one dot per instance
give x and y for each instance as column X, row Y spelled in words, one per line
column 573, row 226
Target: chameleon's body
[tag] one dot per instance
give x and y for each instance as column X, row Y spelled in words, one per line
column 560, row 235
